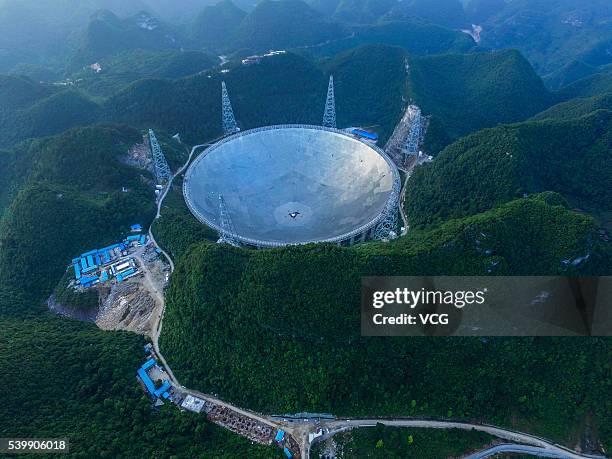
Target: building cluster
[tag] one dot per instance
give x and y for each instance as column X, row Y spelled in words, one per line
column 286, row 442
column 156, row 383
column 99, row 266
column 256, row 59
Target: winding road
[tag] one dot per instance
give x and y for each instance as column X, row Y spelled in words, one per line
column 533, row 442
column 531, row 450
column 157, row 326
column 301, row 431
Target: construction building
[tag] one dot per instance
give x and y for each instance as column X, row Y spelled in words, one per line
column 155, row 392
column 101, row 265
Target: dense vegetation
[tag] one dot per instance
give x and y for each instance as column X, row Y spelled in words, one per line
column 107, row 35
column 572, row 72
column 552, row 33
column 414, row 35
column 29, row 109
column 67, row 198
column 469, row 92
column 448, row 13
column 390, row 442
column 576, row 108
column 496, row 165
column 593, row 85
column 216, row 23
column 120, row 70
column 282, row 24
column 373, row 84
column 280, row 328
column 64, row 378
column 281, row 89
column 84, row 302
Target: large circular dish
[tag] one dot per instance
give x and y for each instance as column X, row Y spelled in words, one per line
column 291, row 184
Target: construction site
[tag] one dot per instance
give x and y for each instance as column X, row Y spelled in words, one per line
column 157, row 384
column 111, row 264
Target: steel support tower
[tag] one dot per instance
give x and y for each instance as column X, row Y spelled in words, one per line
column 414, row 138
column 226, row 233
column 160, row 165
column 329, row 116
column 228, row 120
column 387, row 227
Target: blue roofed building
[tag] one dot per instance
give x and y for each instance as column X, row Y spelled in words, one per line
column 288, row 453
column 144, row 377
column 365, row 134
column 77, row 270
column 279, row 435
column 163, row 388
column 87, row 281
column 161, row 391
column 136, row 228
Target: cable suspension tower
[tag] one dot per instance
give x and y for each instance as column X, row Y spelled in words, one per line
column 414, row 138
column 226, row 233
column 387, row 227
column 329, row 117
column 160, row 165
column 228, row 120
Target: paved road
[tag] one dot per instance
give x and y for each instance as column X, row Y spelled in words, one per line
column 401, row 205
column 505, row 434
column 157, row 325
column 508, row 448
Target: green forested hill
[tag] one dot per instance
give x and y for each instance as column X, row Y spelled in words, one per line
column 283, row 24
column 64, row 378
column 553, row 33
column 281, row 89
column 120, row 70
column 574, row 71
column 370, row 87
column 575, row 108
column 107, row 35
column 216, row 24
column 29, row 109
column 20, row 92
column 496, row 165
column 593, row 85
column 414, row 35
column 354, row 11
column 448, row 13
column 469, row 92
column 463, row 93
column 65, row 196
column 281, row 328
column 56, row 113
